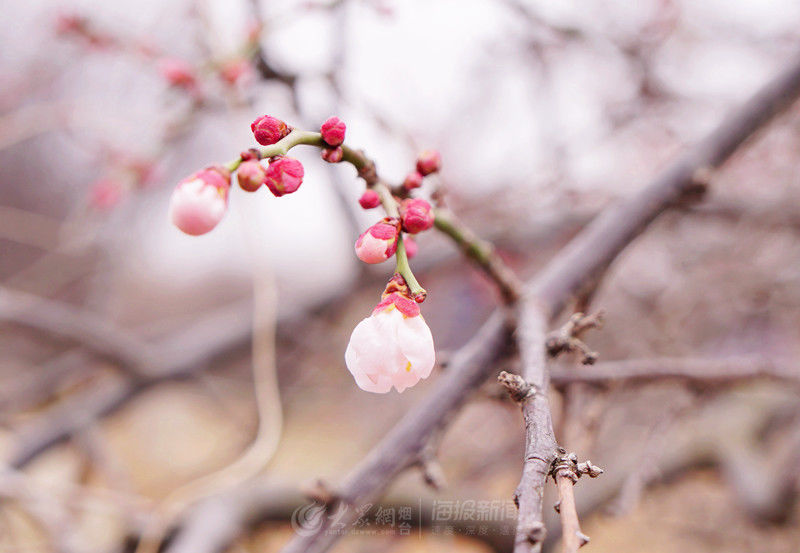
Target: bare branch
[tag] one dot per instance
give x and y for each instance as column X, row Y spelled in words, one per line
column 695, row 370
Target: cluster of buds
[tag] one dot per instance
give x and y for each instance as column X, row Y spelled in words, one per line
column 428, row 162
column 200, row 201
column 393, row 347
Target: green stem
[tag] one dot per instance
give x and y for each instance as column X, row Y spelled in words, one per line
column 366, row 169
column 404, row 269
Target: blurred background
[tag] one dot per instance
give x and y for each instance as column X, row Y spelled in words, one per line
column 127, row 369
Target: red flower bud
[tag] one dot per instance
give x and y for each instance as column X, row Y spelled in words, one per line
column 333, row 131
column 251, row 175
column 284, row 175
column 268, row 130
column 416, row 215
column 369, row 199
column 413, row 180
column 333, row 155
column 429, row 161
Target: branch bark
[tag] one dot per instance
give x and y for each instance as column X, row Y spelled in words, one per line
column 580, row 265
column 695, row 370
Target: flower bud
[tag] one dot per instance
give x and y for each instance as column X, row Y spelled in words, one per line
column 284, row 175
column 369, row 199
column 333, row 155
column 199, row 201
column 429, row 161
column 177, row 72
column 251, row 175
column 333, row 131
column 393, row 347
column 411, row 246
column 268, row 130
column 379, row 242
column 413, row 180
column 416, row 215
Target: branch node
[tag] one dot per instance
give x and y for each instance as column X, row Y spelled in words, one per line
column 516, row 386
column 566, row 465
column 568, row 338
column 535, row 533
column 320, row 492
column 433, row 474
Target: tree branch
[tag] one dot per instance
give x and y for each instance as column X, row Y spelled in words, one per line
column 581, row 264
column 695, row 370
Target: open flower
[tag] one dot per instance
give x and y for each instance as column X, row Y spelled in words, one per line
column 199, row 201
column 392, row 347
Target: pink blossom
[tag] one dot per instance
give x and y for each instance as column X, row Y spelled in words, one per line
column 429, row 162
column 269, row 130
column 251, row 175
column 199, row 201
column 391, row 348
column 416, row 215
column 284, row 175
column 333, row 131
column 379, row 242
column 413, row 180
column 235, row 71
column 177, row 72
column 369, row 199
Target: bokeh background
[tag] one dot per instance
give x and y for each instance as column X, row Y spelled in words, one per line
column 544, row 113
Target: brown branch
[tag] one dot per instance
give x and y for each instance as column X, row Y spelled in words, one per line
column 568, row 338
column 566, row 471
column 180, row 357
column 586, row 258
column 695, row 370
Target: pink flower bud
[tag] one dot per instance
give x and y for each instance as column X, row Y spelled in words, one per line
column 235, row 71
column 199, row 201
column 177, row 72
column 413, row 180
column 379, row 242
column 333, row 131
column 411, row 246
column 369, row 199
column 333, row 155
column 429, row 162
column 251, row 175
column 284, row 175
column 268, row 130
column 106, row 194
column 416, row 215
column 391, row 348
